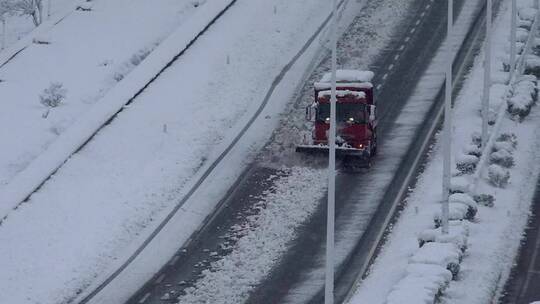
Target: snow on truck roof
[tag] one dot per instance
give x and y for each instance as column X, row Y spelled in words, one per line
column 319, row 86
column 342, row 93
column 349, row 76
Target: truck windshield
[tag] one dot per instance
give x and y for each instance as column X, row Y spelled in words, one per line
column 350, row 112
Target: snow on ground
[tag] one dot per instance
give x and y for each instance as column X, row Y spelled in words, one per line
column 263, row 238
column 255, row 263
column 494, row 238
column 17, row 26
column 42, row 167
column 88, row 53
column 108, row 197
column 359, row 46
column 392, row 152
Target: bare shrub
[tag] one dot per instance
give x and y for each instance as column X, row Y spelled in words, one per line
column 53, row 96
column 487, row 200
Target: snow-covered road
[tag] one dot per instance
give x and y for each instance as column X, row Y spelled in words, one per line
column 110, row 195
column 291, row 275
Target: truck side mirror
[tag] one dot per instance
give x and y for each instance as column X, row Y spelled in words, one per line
column 372, row 109
column 309, row 112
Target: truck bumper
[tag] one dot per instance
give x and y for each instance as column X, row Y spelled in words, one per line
column 362, row 154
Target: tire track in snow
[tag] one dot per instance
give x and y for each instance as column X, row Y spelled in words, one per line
column 277, row 80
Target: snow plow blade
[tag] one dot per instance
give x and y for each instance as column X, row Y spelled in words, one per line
column 340, row 151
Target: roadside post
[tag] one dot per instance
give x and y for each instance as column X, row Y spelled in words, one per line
column 4, row 33
column 329, row 274
column 447, row 145
column 49, row 9
column 487, row 75
column 513, row 30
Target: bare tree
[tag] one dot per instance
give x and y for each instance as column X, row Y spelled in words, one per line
column 7, row 9
column 32, row 8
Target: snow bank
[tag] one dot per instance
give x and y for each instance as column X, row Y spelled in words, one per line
column 263, row 239
column 447, row 255
column 423, row 285
column 457, row 234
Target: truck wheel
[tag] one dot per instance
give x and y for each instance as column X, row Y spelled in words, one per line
column 374, row 148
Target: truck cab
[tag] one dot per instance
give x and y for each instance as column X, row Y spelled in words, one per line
column 356, row 121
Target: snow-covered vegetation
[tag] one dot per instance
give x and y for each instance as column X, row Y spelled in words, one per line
column 508, row 175
column 101, row 190
column 53, row 95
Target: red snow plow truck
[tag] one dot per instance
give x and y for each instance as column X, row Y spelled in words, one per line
column 356, row 136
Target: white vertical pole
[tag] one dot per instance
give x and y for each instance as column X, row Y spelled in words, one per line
column 513, row 29
column 39, row 8
column 329, row 280
column 4, row 32
column 487, row 75
column 447, row 120
column 537, row 7
column 49, row 9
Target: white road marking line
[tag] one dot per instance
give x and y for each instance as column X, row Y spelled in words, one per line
column 417, row 22
column 385, row 76
column 391, row 67
column 428, row 6
column 396, row 57
column 174, row 260
column 144, row 298
column 423, row 14
column 379, row 86
column 407, row 38
column 412, row 30
column 402, row 47
column 160, row 279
